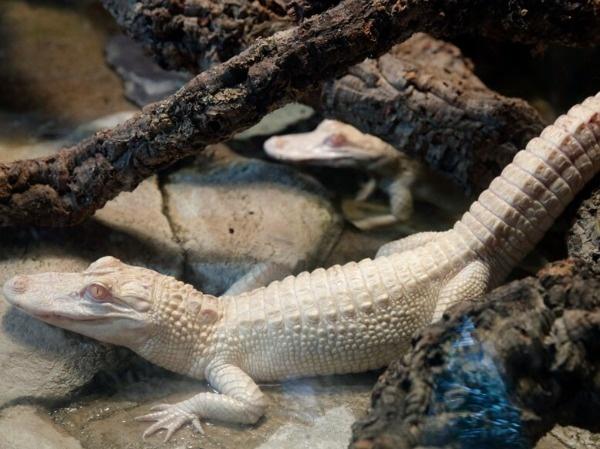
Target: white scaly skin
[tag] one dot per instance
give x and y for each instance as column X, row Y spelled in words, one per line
column 337, row 144
column 343, row 319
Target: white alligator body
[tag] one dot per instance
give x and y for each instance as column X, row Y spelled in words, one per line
column 342, row 319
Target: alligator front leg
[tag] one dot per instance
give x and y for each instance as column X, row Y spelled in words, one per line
column 401, row 198
column 471, row 282
column 263, row 273
column 240, row 401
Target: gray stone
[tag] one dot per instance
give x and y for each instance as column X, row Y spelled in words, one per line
column 230, row 213
column 144, row 81
column 278, row 121
column 330, row 431
column 41, row 361
column 23, row 427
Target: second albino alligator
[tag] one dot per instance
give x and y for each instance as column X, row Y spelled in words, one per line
column 338, row 144
column 342, row 319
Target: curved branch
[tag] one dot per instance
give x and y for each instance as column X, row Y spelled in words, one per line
column 195, row 35
column 68, row 187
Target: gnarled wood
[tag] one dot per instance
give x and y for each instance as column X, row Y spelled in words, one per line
column 424, row 99
column 193, row 35
column 583, row 238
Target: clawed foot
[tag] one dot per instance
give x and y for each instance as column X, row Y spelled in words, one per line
column 169, row 417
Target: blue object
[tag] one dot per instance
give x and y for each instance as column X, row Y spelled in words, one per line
column 473, row 394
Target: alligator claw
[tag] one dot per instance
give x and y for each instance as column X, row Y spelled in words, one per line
column 168, row 417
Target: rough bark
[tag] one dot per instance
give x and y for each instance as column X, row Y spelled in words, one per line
column 498, row 372
column 529, row 358
column 583, row 238
column 66, row 188
column 300, row 9
column 193, row 35
column 196, row 35
column 423, row 98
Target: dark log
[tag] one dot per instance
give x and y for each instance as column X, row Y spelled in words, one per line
column 68, row 187
column 526, row 354
column 301, row 9
column 423, row 98
column 195, row 35
column 583, row 237
column 498, row 372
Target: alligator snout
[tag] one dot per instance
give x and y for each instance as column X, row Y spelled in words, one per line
column 16, row 286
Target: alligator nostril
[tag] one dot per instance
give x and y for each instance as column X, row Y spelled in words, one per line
column 17, row 285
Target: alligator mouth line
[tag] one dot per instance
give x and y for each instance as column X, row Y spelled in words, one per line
column 55, row 316
column 44, row 316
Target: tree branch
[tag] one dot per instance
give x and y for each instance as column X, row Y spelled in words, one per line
column 196, row 35
column 70, row 186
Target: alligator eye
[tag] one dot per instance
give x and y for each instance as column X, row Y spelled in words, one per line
column 336, row 140
column 98, row 292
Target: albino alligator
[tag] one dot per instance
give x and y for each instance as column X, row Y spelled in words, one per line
column 342, row 319
column 339, row 145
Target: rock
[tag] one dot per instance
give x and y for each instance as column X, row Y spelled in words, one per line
column 38, row 360
column 357, row 245
column 145, row 82
column 41, row 361
column 140, row 234
column 330, row 431
column 278, row 121
column 23, row 427
column 236, row 212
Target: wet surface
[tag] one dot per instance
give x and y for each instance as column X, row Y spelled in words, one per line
column 307, row 413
